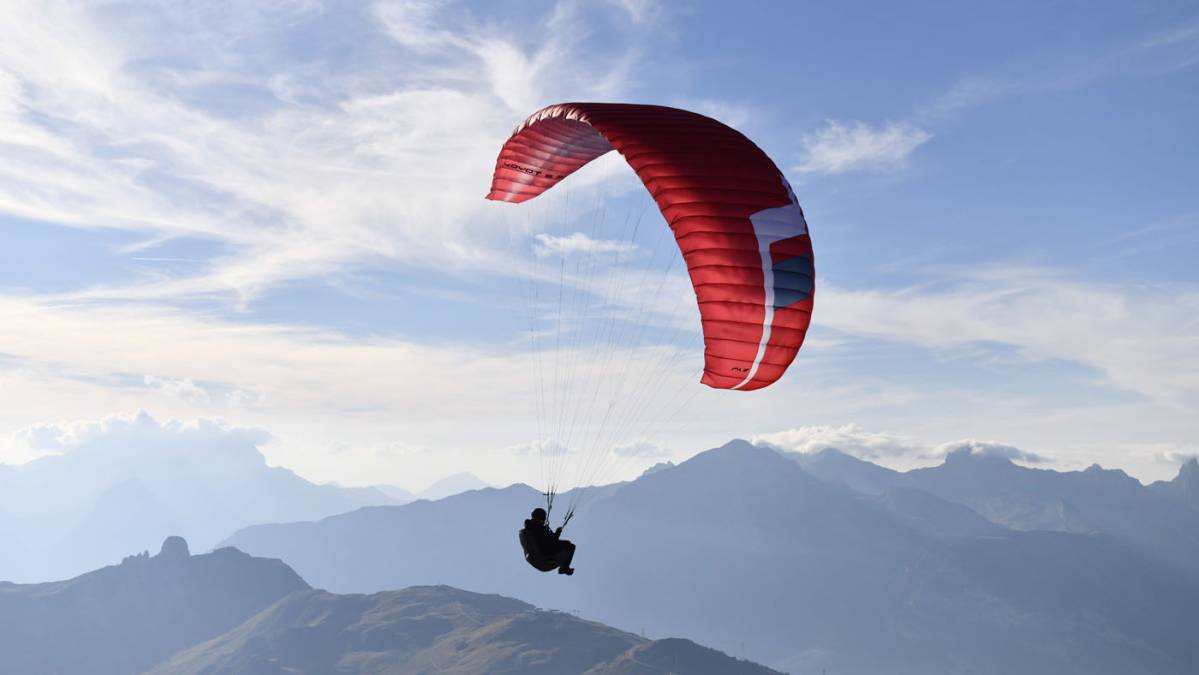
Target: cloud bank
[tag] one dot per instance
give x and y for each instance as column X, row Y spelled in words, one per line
column 875, row 446
column 987, row 449
column 848, row 438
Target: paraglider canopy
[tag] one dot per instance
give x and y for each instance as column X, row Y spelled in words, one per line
column 734, row 216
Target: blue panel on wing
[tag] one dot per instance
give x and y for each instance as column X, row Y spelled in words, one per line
column 792, row 281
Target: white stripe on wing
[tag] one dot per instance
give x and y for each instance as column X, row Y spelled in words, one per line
column 771, row 225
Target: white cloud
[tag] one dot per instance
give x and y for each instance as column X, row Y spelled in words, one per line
column 184, row 388
column 848, row 438
column 1155, row 54
column 1186, row 33
column 44, row 437
column 841, row 147
column 333, row 162
column 414, row 24
column 240, row 397
column 1173, row 454
column 62, row 435
column 639, row 10
column 988, row 449
column 884, row 447
column 1143, row 339
column 546, row 448
column 968, row 93
column 643, row 449
column 302, row 368
column 115, row 433
column 1183, row 457
column 314, row 387
column 577, row 242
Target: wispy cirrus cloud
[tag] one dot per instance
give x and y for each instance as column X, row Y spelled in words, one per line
column 1166, row 51
column 301, row 166
column 842, row 147
column 1143, row 340
column 639, row 10
column 577, row 242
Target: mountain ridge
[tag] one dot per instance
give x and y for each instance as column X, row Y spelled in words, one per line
column 122, row 618
column 1093, row 500
column 434, row 629
column 806, row 573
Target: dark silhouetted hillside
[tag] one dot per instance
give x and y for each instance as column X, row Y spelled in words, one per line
column 743, row 549
column 124, row 618
column 436, row 630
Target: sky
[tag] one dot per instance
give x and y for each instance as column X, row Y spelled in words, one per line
column 270, row 216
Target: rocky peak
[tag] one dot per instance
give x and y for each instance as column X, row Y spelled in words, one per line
column 174, row 548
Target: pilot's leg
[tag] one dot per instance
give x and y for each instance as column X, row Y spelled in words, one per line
column 565, row 554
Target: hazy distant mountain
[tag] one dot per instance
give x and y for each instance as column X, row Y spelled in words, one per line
column 1096, row 500
column 859, row 475
column 128, row 489
column 124, row 618
column 451, row 485
column 1185, row 486
column 399, row 494
column 743, row 549
column 936, row 517
column 436, row 629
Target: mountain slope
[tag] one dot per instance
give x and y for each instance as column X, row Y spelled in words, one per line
column 859, row 475
column 124, row 618
column 1184, row 487
column 435, row 629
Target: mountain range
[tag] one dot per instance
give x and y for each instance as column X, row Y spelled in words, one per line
column 226, row 613
column 826, row 562
column 1095, row 500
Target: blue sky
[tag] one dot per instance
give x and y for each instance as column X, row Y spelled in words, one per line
column 270, row 214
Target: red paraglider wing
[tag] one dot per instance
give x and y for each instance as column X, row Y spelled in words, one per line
column 733, row 214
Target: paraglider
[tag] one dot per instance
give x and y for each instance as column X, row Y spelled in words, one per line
column 736, row 221
column 544, row 549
